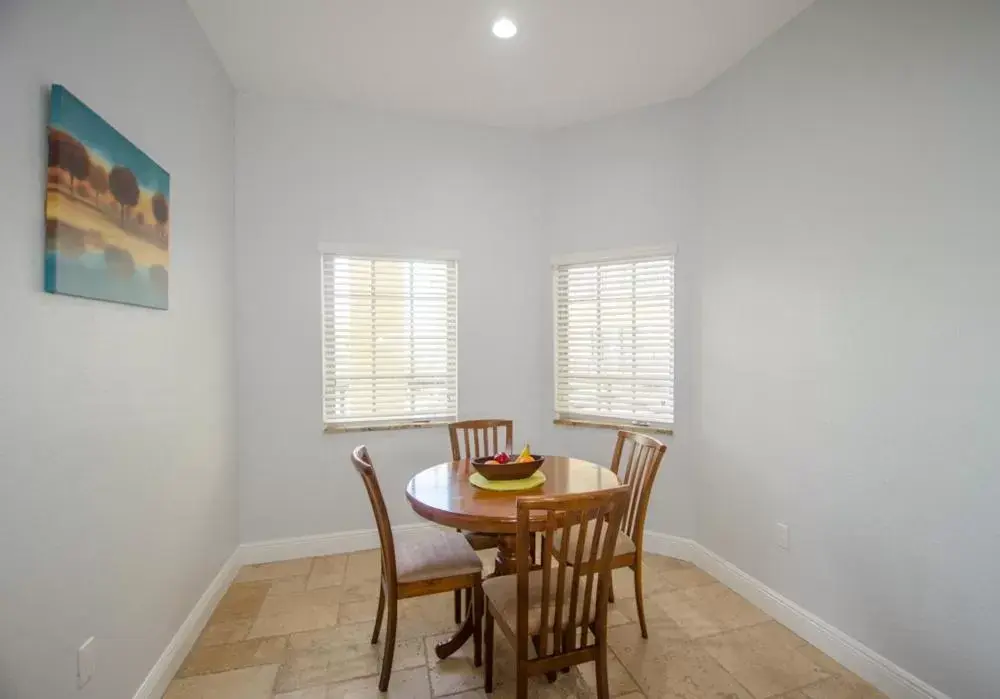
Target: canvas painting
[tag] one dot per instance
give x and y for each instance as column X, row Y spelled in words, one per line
column 107, row 211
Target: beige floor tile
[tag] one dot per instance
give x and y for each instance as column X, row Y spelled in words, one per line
column 624, row 584
column 472, row 694
column 620, row 682
column 356, row 612
column 241, row 601
column 308, row 693
column 294, row 621
column 426, row 616
column 708, row 609
column 203, row 660
column 764, row 659
column 282, row 602
column 405, row 684
column 362, row 574
column 625, row 611
column 664, row 562
column 293, row 612
column 681, row 578
column 671, row 666
column 340, row 654
column 454, row 674
column 274, row 571
column 828, row 664
column 363, row 565
column 634, row 695
column 247, row 683
column 842, row 688
column 293, row 584
column 224, row 632
column 654, row 580
column 327, row 571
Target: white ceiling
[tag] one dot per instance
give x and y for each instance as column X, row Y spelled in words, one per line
column 571, row 61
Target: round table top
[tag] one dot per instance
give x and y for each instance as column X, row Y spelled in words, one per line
column 443, row 494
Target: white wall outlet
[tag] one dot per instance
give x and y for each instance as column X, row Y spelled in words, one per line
column 781, row 535
column 86, row 662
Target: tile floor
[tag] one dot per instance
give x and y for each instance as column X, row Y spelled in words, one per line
column 300, row 630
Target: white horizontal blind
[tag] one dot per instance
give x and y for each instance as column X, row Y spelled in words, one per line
column 615, row 340
column 390, row 340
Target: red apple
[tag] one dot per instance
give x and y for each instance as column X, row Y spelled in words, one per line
column 502, row 458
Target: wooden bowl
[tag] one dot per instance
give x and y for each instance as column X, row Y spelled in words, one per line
column 509, row 471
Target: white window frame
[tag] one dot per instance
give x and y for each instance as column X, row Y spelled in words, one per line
column 404, row 255
column 595, row 419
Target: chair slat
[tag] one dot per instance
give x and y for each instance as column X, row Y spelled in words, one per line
column 477, row 438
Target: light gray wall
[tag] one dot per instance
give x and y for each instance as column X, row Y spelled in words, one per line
column 628, row 182
column 312, row 174
column 117, row 424
column 849, row 378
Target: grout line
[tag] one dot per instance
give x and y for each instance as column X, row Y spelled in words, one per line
column 641, row 689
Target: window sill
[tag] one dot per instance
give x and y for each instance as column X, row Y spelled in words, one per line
column 657, row 429
column 334, row 428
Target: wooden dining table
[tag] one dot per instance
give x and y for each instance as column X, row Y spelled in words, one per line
column 443, row 494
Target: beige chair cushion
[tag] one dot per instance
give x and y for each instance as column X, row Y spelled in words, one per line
column 427, row 554
column 623, row 544
column 502, row 593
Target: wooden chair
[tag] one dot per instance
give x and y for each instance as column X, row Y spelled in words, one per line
column 476, row 436
column 431, row 562
column 640, row 468
column 557, row 604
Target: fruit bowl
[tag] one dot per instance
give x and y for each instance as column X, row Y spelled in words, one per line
column 510, row 471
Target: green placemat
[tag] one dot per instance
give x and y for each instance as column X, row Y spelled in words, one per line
column 532, row 481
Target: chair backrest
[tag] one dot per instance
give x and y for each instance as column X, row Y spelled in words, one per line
column 640, row 468
column 363, row 465
column 576, row 579
column 480, row 431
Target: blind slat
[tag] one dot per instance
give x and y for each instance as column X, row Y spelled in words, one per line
column 390, row 340
column 615, row 340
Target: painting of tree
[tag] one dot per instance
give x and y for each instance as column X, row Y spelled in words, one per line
column 98, row 181
column 69, row 154
column 124, row 188
column 107, row 211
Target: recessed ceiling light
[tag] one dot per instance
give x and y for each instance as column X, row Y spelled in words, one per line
column 503, row 28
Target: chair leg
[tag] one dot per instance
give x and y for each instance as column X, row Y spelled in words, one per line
column 522, row 681
column 637, row 569
column 611, row 592
column 521, row 664
column 488, row 631
column 477, row 624
column 458, row 606
column 536, row 641
column 569, row 645
column 390, row 644
column 378, row 614
column 602, row 667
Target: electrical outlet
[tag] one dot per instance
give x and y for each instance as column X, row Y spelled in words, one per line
column 781, row 535
column 86, row 662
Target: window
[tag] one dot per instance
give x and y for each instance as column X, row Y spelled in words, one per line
column 390, row 341
column 614, row 341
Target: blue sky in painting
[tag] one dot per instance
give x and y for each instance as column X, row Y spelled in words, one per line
column 73, row 116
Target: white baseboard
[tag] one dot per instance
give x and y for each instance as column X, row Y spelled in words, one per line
column 669, row 545
column 180, row 645
column 891, row 679
column 315, row 545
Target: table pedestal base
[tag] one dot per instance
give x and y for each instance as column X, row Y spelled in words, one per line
column 505, row 564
